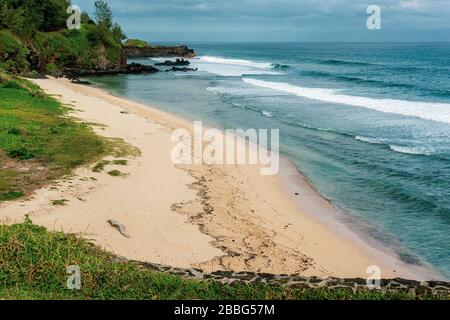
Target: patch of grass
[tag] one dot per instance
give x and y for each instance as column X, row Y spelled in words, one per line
column 120, row 162
column 35, row 132
column 21, row 153
column 34, row 262
column 11, row 195
column 116, row 173
column 136, row 43
column 100, row 166
column 118, row 148
column 15, row 131
column 60, row 203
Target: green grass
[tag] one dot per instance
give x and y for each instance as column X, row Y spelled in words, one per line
column 55, row 51
column 40, row 143
column 100, row 166
column 33, row 265
column 136, row 43
column 60, row 203
column 70, row 48
column 11, row 195
column 13, row 53
column 116, row 173
column 120, row 162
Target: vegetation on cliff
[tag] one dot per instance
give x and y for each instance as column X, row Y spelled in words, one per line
column 136, row 43
column 34, row 38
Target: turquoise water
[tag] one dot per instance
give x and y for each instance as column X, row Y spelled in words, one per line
column 367, row 124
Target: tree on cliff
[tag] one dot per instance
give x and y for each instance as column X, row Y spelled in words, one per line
column 103, row 14
column 25, row 17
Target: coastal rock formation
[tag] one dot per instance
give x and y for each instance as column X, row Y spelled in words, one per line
column 296, row 281
column 133, row 68
column 176, row 63
column 184, row 69
column 157, row 51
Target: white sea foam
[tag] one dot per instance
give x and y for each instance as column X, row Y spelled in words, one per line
column 237, row 62
column 411, row 150
column 425, row 110
column 267, row 114
column 232, row 67
column 370, row 140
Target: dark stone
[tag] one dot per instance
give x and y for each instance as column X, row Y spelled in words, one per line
column 184, row 69
column 315, row 280
column 409, row 283
column 267, row 276
column 133, row 68
column 423, row 290
column 359, row 281
column 434, row 284
column 244, row 276
column 176, row 63
column 159, row 51
column 223, row 274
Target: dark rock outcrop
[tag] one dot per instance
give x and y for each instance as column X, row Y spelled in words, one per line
column 176, row 63
column 156, row 51
column 184, row 69
column 133, row 68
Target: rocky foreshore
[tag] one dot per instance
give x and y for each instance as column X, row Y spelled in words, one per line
column 296, row 281
column 158, row 51
column 132, row 68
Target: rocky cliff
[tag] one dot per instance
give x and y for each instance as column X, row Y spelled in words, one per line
column 156, row 51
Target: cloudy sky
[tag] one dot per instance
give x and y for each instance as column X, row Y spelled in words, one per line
column 279, row 20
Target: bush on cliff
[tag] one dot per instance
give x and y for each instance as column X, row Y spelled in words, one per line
column 136, row 43
column 13, row 53
column 33, row 36
column 88, row 48
column 25, row 17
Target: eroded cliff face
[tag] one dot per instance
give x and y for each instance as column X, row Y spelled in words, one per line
column 153, row 51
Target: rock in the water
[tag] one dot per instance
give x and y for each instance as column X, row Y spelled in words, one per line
column 119, row 227
column 157, row 51
column 176, row 63
column 184, row 69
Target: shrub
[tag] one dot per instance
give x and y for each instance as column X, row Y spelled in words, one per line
column 136, row 43
column 15, row 131
column 13, row 53
column 21, row 153
column 11, row 195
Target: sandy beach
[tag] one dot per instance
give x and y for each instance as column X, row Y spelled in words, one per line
column 209, row 217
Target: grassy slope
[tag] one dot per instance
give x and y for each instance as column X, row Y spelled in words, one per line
column 35, row 133
column 33, row 264
column 13, row 53
column 50, row 52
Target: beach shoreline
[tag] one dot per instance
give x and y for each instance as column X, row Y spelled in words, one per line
column 213, row 218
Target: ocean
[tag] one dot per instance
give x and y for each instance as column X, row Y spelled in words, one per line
column 367, row 124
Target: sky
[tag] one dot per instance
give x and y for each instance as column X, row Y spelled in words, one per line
column 279, row 20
